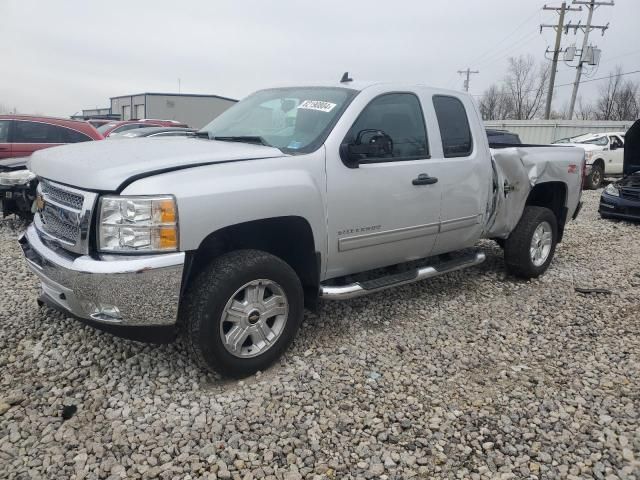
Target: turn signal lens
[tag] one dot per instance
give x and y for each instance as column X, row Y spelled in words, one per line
column 165, row 211
column 168, row 238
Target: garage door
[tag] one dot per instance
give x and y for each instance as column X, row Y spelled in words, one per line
column 139, row 112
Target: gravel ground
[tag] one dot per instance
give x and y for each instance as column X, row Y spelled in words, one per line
column 472, row 375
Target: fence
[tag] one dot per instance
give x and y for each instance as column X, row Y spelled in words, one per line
column 548, row 131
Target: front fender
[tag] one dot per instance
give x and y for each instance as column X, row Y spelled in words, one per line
column 216, row 196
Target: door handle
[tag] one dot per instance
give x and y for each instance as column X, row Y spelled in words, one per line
column 424, row 179
column 4, row 148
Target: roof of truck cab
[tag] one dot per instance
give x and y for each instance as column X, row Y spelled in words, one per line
column 360, row 85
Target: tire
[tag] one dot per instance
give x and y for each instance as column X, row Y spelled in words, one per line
column 595, row 178
column 518, row 254
column 225, row 289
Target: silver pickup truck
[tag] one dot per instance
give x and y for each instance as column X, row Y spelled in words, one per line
column 293, row 195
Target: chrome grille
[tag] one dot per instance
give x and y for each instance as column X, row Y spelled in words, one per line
column 61, row 196
column 54, row 225
column 64, row 215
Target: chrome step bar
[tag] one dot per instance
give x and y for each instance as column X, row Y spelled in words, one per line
column 358, row 289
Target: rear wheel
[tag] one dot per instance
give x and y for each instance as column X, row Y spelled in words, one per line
column 530, row 247
column 595, row 178
column 243, row 311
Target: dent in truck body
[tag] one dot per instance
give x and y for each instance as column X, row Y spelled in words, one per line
column 517, row 171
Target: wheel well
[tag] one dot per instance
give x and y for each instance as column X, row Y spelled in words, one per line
column 289, row 238
column 552, row 195
column 599, row 161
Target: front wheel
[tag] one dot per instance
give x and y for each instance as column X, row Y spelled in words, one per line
column 594, row 179
column 243, row 311
column 530, row 247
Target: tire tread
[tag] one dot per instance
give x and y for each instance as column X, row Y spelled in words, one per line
column 516, row 250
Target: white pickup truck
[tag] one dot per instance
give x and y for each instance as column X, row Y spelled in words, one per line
column 604, row 155
column 292, row 195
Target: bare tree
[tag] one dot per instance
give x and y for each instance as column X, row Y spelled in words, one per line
column 521, row 94
column 627, row 102
column 605, row 104
column 585, row 111
column 617, row 100
column 526, row 84
column 496, row 104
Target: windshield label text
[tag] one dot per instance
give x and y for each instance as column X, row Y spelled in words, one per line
column 317, row 105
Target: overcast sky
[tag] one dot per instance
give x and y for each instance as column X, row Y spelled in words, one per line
column 61, row 56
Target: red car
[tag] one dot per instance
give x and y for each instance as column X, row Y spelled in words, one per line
column 21, row 135
column 115, row 128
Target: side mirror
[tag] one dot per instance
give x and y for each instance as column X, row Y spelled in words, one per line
column 378, row 145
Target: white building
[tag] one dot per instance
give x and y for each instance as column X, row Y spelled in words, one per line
column 193, row 109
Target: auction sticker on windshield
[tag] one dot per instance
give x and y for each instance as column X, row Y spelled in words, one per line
column 317, row 105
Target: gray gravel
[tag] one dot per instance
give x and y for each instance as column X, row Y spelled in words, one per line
column 473, row 375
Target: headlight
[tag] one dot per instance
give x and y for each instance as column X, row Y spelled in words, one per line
column 588, row 155
column 138, row 224
column 16, row 177
column 612, row 190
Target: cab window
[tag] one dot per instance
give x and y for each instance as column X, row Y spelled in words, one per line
column 397, row 116
column 454, row 126
column 615, row 141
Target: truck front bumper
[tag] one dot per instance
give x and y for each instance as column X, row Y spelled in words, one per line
column 115, row 290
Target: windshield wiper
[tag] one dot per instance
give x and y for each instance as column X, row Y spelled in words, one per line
column 201, row 134
column 244, row 139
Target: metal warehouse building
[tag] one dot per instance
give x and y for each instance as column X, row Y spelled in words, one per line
column 192, row 109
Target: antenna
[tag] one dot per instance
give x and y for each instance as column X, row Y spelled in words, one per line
column 345, row 78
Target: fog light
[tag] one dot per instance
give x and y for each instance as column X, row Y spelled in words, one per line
column 101, row 311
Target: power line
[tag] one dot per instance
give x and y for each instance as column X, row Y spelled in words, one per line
column 501, row 54
column 491, row 51
column 571, row 83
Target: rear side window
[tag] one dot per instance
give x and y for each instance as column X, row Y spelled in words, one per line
column 4, row 130
column 454, row 126
column 399, row 115
column 36, row 132
column 73, row 136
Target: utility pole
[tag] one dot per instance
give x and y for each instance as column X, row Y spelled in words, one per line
column 468, row 73
column 591, row 5
column 556, row 51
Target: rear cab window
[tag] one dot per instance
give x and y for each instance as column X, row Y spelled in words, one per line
column 453, row 122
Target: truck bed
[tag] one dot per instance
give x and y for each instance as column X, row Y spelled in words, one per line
column 518, row 169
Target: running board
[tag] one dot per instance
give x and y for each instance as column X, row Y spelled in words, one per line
column 358, row 289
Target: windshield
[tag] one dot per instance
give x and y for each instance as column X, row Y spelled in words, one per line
column 596, row 141
column 105, row 127
column 293, row 119
column 589, row 139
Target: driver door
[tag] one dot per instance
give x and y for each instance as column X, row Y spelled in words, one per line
column 381, row 210
column 616, row 155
